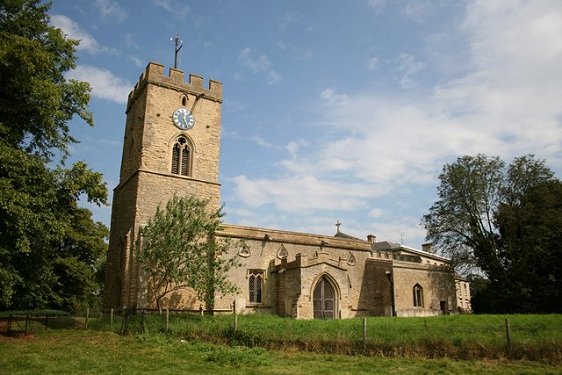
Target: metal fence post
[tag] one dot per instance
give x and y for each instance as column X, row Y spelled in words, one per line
column 508, row 336
column 364, row 333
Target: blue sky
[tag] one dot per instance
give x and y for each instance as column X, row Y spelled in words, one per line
column 333, row 110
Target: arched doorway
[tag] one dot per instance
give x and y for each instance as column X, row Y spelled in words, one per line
column 324, row 300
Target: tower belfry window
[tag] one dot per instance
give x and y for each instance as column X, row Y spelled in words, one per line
column 181, row 157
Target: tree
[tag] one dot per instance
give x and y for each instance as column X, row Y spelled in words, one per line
column 48, row 245
column 530, row 248
column 178, row 250
column 483, row 221
column 36, row 101
column 461, row 221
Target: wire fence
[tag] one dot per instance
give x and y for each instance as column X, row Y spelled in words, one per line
column 117, row 320
column 536, row 337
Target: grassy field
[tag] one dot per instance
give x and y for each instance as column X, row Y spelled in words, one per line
column 534, row 337
column 91, row 352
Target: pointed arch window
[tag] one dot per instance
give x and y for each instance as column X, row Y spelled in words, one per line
column 418, row 295
column 255, row 286
column 181, row 156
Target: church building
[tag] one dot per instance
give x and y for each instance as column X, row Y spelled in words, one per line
column 172, row 147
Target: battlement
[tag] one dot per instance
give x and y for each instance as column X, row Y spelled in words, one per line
column 154, row 74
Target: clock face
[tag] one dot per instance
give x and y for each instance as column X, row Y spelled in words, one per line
column 183, row 118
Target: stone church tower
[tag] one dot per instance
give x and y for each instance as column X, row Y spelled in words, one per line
column 171, row 147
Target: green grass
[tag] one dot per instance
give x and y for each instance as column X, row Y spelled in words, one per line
column 463, row 337
column 89, row 352
column 534, row 337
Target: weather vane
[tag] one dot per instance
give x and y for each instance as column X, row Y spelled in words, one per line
column 178, row 43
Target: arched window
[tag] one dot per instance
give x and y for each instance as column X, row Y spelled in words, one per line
column 418, row 296
column 180, row 157
column 255, row 286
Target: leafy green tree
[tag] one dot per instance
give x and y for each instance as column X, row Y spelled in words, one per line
column 530, row 249
column 48, row 245
column 178, row 250
column 44, row 236
column 483, row 221
column 460, row 223
column 36, row 101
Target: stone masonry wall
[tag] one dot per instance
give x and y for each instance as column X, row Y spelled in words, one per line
column 437, row 283
column 146, row 179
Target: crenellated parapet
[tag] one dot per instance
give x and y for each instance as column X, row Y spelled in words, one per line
column 154, row 74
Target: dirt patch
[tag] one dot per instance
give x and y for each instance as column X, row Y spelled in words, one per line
column 16, row 336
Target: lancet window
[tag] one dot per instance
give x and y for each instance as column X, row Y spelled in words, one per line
column 418, row 295
column 181, row 156
column 255, row 286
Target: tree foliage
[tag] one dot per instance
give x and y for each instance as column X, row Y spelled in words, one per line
column 488, row 218
column 179, row 250
column 530, row 249
column 49, row 246
column 36, row 100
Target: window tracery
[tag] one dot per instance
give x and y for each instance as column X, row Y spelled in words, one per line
column 181, row 153
column 255, row 286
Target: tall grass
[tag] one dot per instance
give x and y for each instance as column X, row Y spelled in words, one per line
column 535, row 337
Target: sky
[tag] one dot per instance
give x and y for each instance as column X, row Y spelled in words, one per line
column 333, row 110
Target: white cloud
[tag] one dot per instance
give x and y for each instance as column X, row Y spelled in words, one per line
column 110, row 10
column 402, row 230
column 87, row 42
column 164, row 4
column 372, row 145
column 135, row 60
column 289, row 19
column 417, row 9
column 301, row 194
column 407, row 67
column 130, row 40
column 377, row 5
column 258, row 64
column 177, row 7
column 376, row 212
column 293, row 147
column 105, row 85
column 260, row 141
